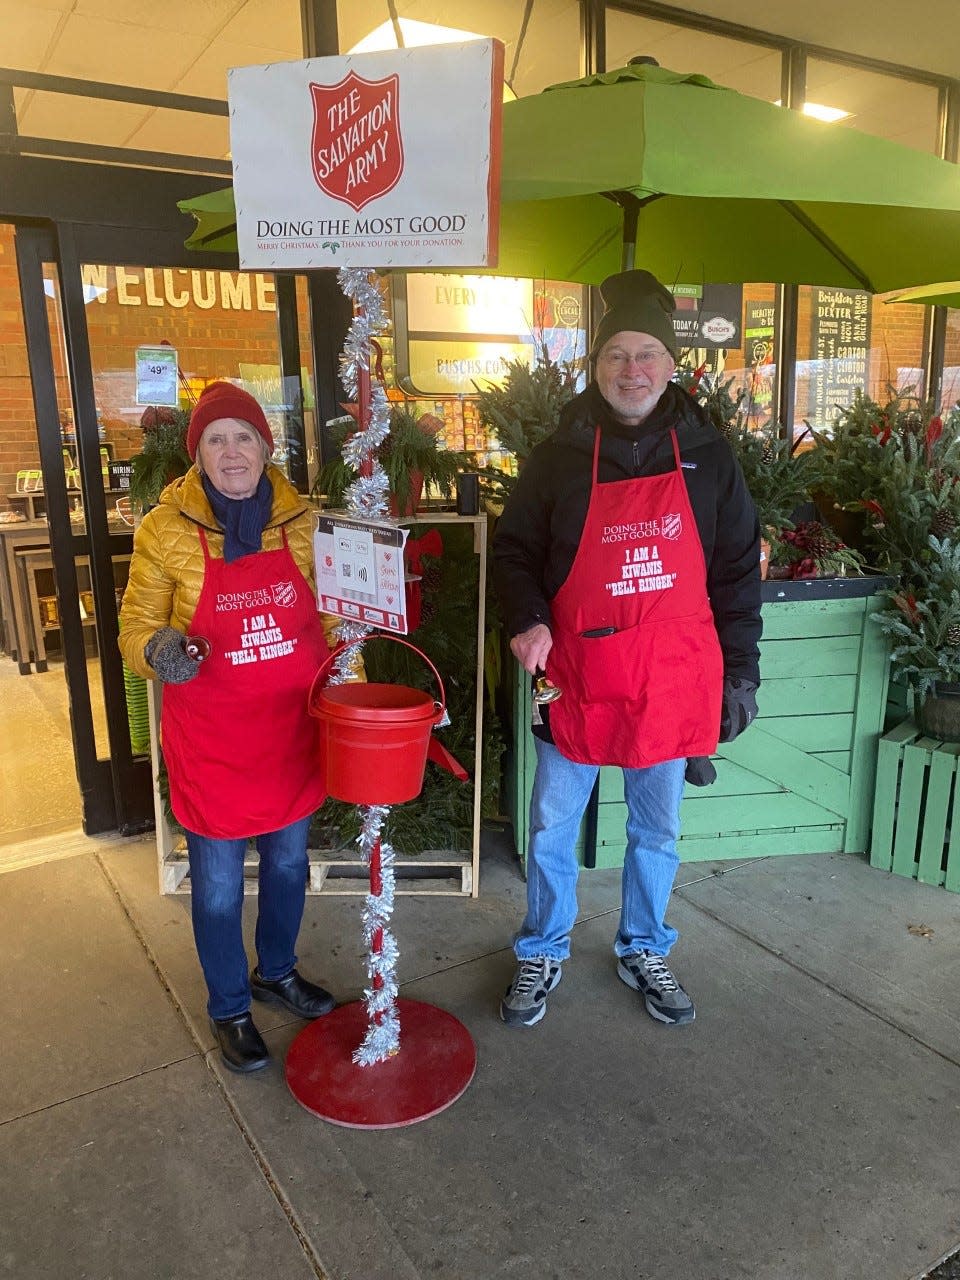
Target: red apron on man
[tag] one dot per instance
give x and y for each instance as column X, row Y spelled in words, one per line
column 239, row 746
column 635, row 649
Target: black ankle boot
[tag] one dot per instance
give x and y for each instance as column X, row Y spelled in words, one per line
column 240, row 1043
column 301, row 997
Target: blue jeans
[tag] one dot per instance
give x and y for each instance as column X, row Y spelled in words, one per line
column 216, row 878
column 561, row 790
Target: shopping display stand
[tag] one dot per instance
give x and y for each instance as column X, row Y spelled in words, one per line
column 356, row 1066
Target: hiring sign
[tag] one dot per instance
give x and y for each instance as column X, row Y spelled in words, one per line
column 369, row 160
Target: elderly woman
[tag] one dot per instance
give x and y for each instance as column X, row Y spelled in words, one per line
column 226, row 558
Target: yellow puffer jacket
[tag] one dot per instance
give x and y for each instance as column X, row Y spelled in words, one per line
column 166, row 572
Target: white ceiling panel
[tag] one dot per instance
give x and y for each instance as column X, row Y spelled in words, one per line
column 72, row 119
column 28, row 31
column 202, row 18
column 183, row 133
column 207, row 78
column 276, row 22
column 100, row 49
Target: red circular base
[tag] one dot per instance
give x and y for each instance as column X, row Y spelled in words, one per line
column 436, row 1062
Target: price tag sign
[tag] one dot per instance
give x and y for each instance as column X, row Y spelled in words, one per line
column 359, row 566
column 157, row 376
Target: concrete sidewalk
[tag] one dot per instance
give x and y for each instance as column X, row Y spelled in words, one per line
column 805, row 1127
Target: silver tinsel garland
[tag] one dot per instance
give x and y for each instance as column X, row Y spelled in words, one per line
column 366, row 499
column 382, row 1039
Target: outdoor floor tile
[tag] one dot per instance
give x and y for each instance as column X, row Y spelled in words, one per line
column 849, row 924
column 81, row 1003
column 786, row 1135
column 148, row 1180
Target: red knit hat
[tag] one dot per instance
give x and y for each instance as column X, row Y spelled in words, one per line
column 224, row 400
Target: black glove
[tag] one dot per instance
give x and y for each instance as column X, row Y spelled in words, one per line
column 739, row 707
column 700, row 771
column 164, row 652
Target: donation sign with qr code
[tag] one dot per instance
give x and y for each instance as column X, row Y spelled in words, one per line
column 359, row 566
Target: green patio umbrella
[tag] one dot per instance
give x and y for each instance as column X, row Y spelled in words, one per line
column 946, row 294
column 708, row 184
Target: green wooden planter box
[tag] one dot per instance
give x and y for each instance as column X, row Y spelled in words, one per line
column 801, row 779
column 915, row 829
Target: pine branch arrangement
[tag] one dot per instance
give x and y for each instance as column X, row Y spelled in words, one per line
column 521, row 411
column 925, row 628
column 163, row 457
column 777, row 478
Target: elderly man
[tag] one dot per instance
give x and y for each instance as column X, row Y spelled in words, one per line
column 627, row 562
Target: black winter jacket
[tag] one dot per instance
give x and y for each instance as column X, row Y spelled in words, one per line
column 539, row 531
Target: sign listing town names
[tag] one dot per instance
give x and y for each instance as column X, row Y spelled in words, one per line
column 359, row 569
column 388, row 159
column 839, row 350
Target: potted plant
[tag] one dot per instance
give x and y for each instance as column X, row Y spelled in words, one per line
column 777, row 477
column 886, row 477
column 163, row 457
column 924, row 629
column 410, row 456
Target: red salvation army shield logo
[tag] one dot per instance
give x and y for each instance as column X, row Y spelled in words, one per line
column 356, row 149
column 284, row 594
column 671, row 526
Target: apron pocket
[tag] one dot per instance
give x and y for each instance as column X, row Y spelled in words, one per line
column 605, row 668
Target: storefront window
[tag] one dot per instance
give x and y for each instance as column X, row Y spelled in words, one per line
column 748, row 68
column 951, row 362
column 221, row 324
column 848, row 341
column 886, row 106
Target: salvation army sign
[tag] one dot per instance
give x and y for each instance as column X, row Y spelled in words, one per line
column 369, row 160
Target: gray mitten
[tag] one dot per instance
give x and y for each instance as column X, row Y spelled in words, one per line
column 739, row 707
column 700, row 771
column 164, row 652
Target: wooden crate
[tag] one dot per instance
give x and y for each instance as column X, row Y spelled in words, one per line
column 339, row 874
column 914, row 831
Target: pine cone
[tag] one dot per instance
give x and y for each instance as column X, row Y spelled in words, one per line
column 768, row 454
column 953, row 634
column 818, row 540
column 943, row 523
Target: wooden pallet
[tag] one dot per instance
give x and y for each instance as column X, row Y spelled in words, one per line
column 917, row 795
column 428, row 874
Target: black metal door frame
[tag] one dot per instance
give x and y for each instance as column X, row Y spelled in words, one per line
column 98, row 779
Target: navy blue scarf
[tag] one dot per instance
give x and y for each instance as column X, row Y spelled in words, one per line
column 243, row 519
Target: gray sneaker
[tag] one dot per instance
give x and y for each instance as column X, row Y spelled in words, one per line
column 663, row 995
column 525, row 1000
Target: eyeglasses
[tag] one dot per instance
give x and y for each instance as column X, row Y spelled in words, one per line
column 643, row 358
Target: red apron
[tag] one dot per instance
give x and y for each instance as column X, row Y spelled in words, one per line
column 240, row 748
column 650, row 688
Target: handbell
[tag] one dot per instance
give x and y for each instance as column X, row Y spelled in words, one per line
column 544, row 691
column 196, row 647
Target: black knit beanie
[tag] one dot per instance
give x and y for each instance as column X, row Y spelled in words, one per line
column 635, row 301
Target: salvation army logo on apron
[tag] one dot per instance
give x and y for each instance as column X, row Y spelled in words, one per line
column 284, row 594
column 671, row 526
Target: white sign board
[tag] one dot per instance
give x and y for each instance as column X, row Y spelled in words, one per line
column 156, row 374
column 369, row 160
column 359, row 568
